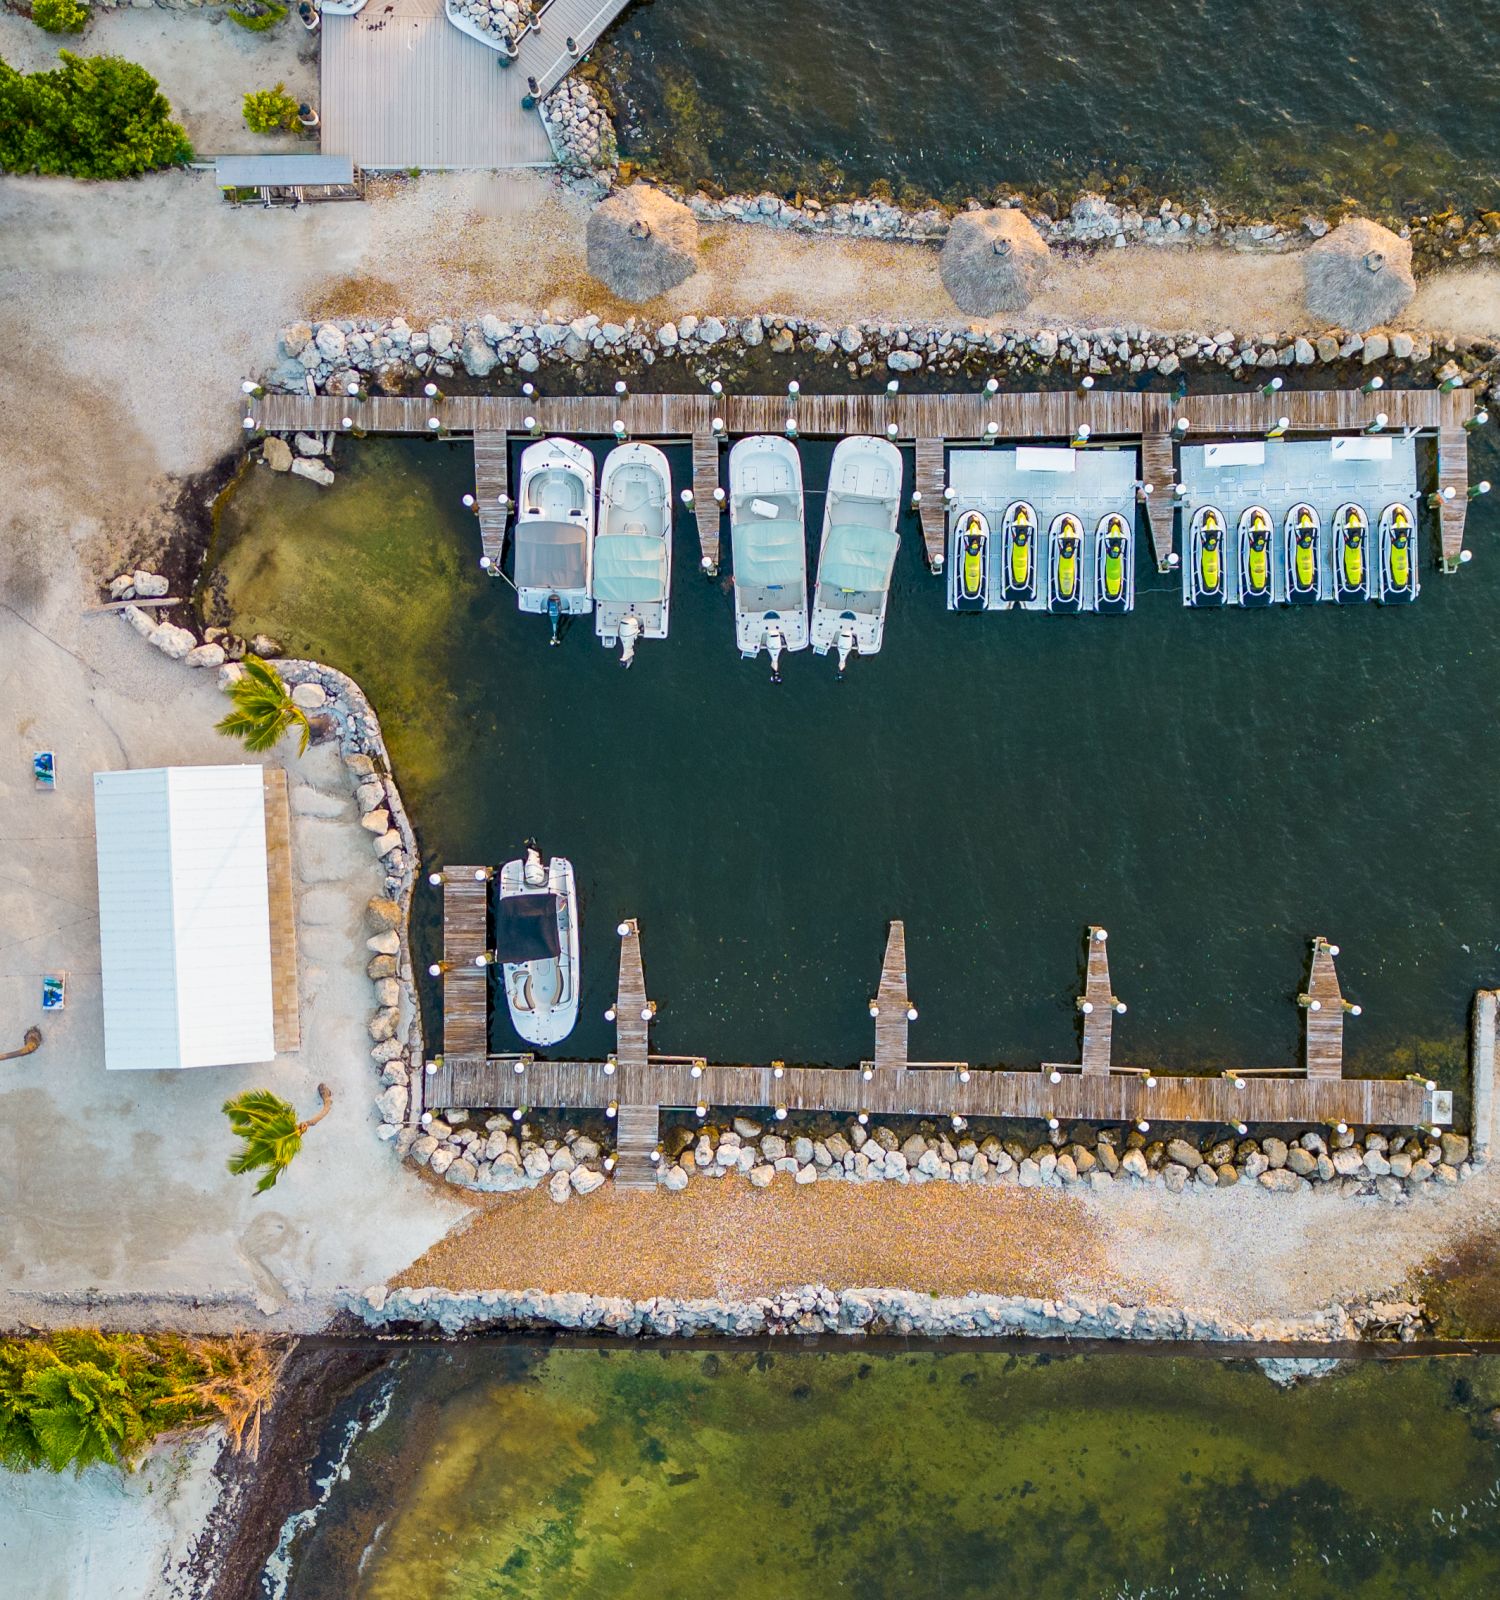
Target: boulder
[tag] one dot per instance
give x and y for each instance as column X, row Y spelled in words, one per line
column 382, row 913
column 760, row 1176
column 586, row 1179
column 675, row 1178
column 384, row 944
column 1455, row 1148
column 206, row 655
column 388, row 841
column 1134, row 1163
column 149, row 585
column 479, row 358
column 310, row 696
column 1184, row 1154
column 559, row 1186
column 175, row 643
column 308, row 444
column 1275, row 1152
column 376, row 821
column 392, row 1104
column 330, row 342
column 462, row 1172
column 1175, row 1176
column 1279, row 1180
column 313, row 471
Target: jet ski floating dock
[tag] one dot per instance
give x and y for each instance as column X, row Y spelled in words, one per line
column 633, row 1085
column 1373, row 472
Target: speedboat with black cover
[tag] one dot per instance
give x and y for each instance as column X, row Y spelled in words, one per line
column 1065, row 564
column 1255, row 556
column 1351, row 554
column 1304, row 538
column 1114, row 564
column 1398, row 554
column 1206, row 556
column 1018, row 555
column 536, row 945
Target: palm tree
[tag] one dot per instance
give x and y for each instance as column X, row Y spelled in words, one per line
column 263, row 708
column 271, row 1131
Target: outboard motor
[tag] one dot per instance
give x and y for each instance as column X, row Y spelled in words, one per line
column 534, row 873
column 554, row 616
column 630, row 631
column 775, row 644
column 845, row 643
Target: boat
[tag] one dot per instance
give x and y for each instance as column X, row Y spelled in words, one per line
column 1206, row 556
column 1018, row 555
column 536, row 945
column 857, row 552
column 769, row 548
column 1065, row 563
column 1398, row 554
column 1304, row 538
column 554, row 537
column 633, row 548
column 1351, row 554
column 971, row 569
column 1114, row 564
column 1255, row 556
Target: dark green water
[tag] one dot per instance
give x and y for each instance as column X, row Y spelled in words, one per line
column 1212, row 788
column 632, row 1473
column 1303, row 102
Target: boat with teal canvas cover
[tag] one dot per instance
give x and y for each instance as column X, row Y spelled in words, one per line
column 769, row 547
column 633, row 548
column 857, row 553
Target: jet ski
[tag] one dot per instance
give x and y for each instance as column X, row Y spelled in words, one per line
column 1255, row 556
column 1018, row 555
column 1351, row 555
column 1398, row 554
column 1304, row 536
column 1065, row 564
column 1206, row 556
column 972, row 568
column 1114, row 564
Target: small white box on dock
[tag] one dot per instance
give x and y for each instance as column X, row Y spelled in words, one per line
column 1360, row 447
column 1241, row 453
column 1045, row 458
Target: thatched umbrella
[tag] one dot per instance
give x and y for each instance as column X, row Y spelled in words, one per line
column 641, row 242
column 993, row 261
column 1359, row 275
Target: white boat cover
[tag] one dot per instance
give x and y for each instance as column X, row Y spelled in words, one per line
column 858, row 558
column 550, row 555
column 630, row 567
column 768, row 554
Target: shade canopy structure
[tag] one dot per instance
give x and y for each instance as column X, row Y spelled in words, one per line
column 526, row 928
column 858, row 558
column 184, row 917
column 993, row 261
column 551, row 555
column 1359, row 276
column 769, row 554
column 641, row 243
column 630, row 567
column 250, row 172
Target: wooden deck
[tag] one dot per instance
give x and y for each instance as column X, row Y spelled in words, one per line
column 1097, row 1003
column 1325, row 1006
column 466, row 987
column 891, row 1004
column 932, row 421
column 1102, row 1092
column 286, row 1012
column 492, row 494
column 543, row 52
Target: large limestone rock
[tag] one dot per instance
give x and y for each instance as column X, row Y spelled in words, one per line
column 641, row 243
column 1358, row 276
column 993, row 261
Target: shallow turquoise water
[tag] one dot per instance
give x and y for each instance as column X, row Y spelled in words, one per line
column 1297, row 103
column 513, row 1474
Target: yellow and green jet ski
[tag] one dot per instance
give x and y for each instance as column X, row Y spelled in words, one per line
column 1114, row 564
column 1255, row 556
column 1206, row 557
column 1065, row 564
column 1018, row 555
column 1351, row 554
column 1398, row 554
column 971, row 565
column 1304, row 541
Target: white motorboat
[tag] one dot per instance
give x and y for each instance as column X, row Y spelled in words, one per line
column 554, row 537
column 858, row 549
column 633, row 548
column 769, row 546
column 536, row 944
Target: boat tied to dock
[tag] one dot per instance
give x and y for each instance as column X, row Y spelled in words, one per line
column 769, row 548
column 857, row 552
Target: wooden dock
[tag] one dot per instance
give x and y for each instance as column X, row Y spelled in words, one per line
column 891, row 1006
column 492, row 494
column 1097, row 1003
column 1092, row 1090
column 466, row 986
column 932, row 422
column 1325, row 1006
column 286, row 1011
column 706, row 508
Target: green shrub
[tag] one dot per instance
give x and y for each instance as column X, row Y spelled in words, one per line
column 60, row 16
column 91, row 117
column 270, row 110
column 258, row 15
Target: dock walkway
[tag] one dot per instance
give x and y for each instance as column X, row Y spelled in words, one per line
column 935, row 423
column 1092, row 1089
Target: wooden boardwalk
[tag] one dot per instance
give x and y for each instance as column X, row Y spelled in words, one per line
column 543, row 53
column 286, row 1012
column 706, row 509
column 492, row 494
column 466, row 987
column 892, row 1003
column 1325, row 1006
column 932, row 421
column 639, row 1086
column 1097, row 1003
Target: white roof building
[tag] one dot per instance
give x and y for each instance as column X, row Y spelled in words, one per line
column 184, row 917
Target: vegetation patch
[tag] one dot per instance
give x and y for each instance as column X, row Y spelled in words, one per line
column 270, row 110
column 79, row 1398
column 60, row 16
column 257, row 16
column 90, row 117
